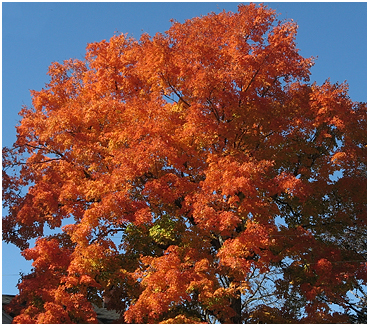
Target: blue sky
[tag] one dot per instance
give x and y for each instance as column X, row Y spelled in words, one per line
column 36, row 34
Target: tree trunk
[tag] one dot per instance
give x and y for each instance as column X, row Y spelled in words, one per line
column 236, row 306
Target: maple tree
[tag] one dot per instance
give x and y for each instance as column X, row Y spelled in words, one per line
column 236, row 187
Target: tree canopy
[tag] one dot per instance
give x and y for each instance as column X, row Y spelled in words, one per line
column 205, row 179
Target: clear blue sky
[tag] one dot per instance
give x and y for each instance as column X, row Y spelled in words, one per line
column 36, row 34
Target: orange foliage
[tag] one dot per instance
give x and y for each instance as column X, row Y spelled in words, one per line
column 210, row 155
